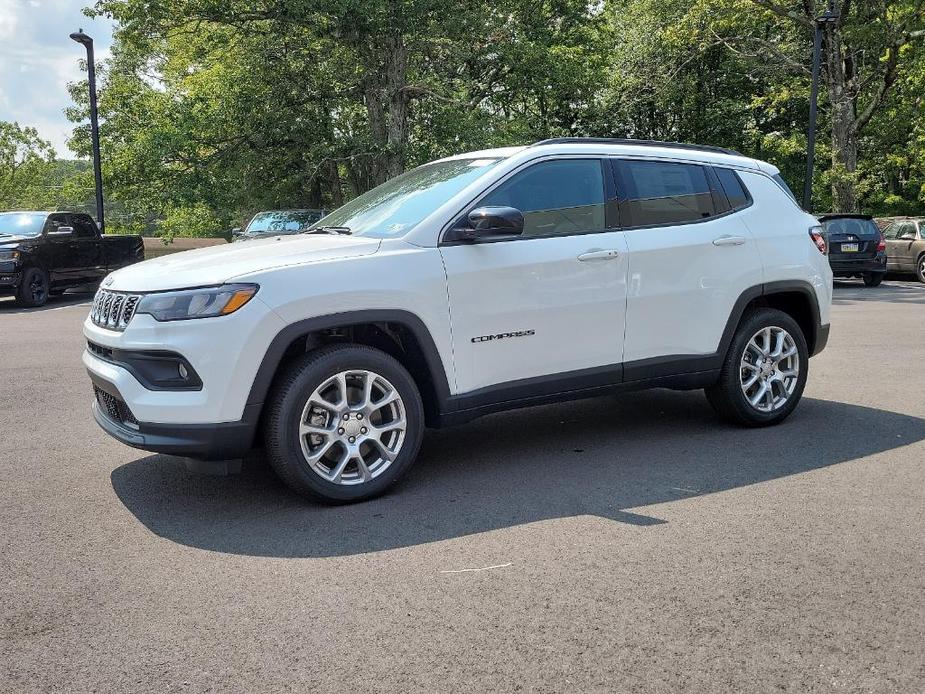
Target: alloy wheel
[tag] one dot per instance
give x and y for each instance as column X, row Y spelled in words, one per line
column 769, row 369
column 352, row 427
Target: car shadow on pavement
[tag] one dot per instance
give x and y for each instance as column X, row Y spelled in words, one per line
column 8, row 305
column 891, row 292
column 607, row 456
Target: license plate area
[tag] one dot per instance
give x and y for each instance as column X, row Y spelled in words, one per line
column 849, row 248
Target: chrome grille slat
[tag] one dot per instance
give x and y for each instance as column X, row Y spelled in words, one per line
column 113, row 310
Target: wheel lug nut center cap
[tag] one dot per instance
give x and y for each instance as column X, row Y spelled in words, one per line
column 351, row 426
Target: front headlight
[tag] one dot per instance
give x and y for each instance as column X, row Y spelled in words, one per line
column 205, row 302
column 9, row 255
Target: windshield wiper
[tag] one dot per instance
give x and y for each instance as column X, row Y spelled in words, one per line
column 328, row 230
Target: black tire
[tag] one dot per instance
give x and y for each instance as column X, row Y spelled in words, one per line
column 289, row 395
column 920, row 268
column 727, row 397
column 33, row 288
column 873, row 279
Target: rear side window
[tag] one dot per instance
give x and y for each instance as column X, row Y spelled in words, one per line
column 736, row 193
column 83, row 227
column 779, row 180
column 654, row 193
column 557, row 198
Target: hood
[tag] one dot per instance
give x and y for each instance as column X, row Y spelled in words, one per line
column 13, row 240
column 218, row 264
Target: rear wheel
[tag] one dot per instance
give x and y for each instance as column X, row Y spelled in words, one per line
column 764, row 372
column 344, row 423
column 920, row 268
column 873, row 279
column 33, row 289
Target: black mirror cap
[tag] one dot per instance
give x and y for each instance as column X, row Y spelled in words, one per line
column 488, row 222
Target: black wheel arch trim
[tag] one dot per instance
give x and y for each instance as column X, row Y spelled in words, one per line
column 278, row 346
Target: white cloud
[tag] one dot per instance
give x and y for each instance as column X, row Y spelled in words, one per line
column 38, row 59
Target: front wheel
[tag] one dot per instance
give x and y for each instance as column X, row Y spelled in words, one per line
column 873, row 279
column 764, row 372
column 344, row 423
column 33, row 289
column 920, row 268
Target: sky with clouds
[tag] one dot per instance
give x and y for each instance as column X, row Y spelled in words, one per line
column 37, row 60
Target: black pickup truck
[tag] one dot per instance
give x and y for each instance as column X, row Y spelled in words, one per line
column 44, row 253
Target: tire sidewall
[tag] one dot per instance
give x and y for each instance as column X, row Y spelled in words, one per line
column 920, row 268
column 313, row 370
column 25, row 292
column 764, row 318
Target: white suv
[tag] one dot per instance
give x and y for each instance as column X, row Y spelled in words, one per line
column 477, row 283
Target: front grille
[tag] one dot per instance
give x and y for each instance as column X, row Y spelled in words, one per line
column 113, row 310
column 114, row 408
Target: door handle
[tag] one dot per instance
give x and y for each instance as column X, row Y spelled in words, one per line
column 599, row 255
column 729, row 241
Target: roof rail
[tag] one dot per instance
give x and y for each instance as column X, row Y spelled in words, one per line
column 637, row 143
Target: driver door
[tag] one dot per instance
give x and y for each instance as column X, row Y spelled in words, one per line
column 900, row 237
column 551, row 302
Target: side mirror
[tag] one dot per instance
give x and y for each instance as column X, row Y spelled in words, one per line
column 487, row 222
column 62, row 231
column 237, row 232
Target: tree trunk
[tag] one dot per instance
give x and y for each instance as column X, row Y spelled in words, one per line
column 840, row 78
column 387, row 104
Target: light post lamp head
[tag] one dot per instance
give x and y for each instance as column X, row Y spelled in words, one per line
column 830, row 16
column 80, row 37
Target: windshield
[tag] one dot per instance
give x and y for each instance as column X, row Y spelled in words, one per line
column 851, row 225
column 22, row 223
column 283, row 220
column 396, row 206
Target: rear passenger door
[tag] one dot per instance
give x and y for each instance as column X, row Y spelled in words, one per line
column 690, row 258
column 87, row 249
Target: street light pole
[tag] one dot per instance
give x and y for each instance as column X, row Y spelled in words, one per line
column 87, row 42
column 830, row 16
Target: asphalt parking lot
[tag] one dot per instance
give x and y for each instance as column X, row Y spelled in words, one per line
column 629, row 543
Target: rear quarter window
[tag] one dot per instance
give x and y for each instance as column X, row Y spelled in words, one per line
column 733, row 187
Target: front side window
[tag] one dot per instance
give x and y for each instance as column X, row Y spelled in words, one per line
column 557, row 198
column 657, row 193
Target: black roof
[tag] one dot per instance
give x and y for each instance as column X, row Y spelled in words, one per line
column 843, row 215
column 635, row 143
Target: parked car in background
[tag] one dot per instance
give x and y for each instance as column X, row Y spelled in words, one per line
column 905, row 246
column 44, row 253
column 856, row 247
column 277, row 223
column 481, row 282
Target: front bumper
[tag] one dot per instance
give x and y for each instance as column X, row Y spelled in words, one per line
column 202, row 441
column 9, row 282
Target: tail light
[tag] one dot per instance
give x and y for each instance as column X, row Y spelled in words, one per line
column 817, row 234
column 881, row 244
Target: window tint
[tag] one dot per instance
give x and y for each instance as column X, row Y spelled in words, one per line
column 83, row 227
column 663, row 193
column 556, row 197
column 851, row 225
column 735, row 191
column 783, row 184
column 55, row 221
